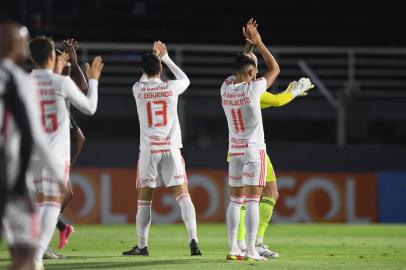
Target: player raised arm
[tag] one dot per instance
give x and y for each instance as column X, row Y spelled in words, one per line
column 61, row 59
column 249, row 46
column 70, row 46
column 86, row 104
column 181, row 77
column 253, row 36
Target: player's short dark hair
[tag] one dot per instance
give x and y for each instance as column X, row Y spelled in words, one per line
column 41, row 48
column 151, row 64
column 242, row 60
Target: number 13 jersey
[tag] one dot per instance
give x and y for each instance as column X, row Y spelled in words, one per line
column 241, row 104
column 157, row 105
column 54, row 92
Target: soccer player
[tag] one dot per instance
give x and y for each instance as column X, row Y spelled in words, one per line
column 247, row 169
column 20, row 118
column 160, row 159
column 54, row 91
column 73, row 70
column 270, row 192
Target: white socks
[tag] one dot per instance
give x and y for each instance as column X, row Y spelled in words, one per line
column 233, row 219
column 143, row 221
column 188, row 215
column 242, row 245
column 259, row 241
column 251, row 222
column 48, row 213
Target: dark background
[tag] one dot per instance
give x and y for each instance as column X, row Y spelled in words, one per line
column 287, row 22
column 301, row 136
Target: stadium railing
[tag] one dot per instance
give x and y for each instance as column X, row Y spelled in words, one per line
column 374, row 72
column 367, row 74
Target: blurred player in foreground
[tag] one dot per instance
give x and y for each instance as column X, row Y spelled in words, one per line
column 54, row 91
column 160, row 159
column 270, row 193
column 241, row 96
column 20, row 118
column 73, row 70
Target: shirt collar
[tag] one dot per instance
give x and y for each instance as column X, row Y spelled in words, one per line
column 41, row 71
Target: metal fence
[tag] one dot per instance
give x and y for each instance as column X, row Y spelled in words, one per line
column 340, row 73
column 373, row 72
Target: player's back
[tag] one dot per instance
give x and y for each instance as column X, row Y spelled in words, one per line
column 157, row 102
column 54, row 111
column 241, row 104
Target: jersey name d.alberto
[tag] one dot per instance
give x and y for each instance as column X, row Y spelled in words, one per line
column 157, row 107
column 54, row 92
column 241, row 104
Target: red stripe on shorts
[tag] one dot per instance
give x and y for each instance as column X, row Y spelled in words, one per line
column 184, row 164
column 34, row 226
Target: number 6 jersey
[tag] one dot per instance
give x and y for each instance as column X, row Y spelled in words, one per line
column 54, row 92
column 241, row 104
column 157, row 107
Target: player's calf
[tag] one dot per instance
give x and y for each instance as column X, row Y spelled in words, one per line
column 143, row 221
column 189, row 216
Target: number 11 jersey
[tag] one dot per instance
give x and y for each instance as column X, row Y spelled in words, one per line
column 241, row 104
column 157, row 105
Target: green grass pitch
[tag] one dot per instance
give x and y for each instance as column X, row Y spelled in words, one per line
column 300, row 247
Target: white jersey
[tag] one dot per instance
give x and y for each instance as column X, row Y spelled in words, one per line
column 55, row 92
column 157, row 107
column 241, row 104
column 24, row 87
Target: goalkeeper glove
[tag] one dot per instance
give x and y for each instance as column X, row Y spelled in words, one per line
column 300, row 88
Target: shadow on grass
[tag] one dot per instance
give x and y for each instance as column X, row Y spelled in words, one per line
column 121, row 264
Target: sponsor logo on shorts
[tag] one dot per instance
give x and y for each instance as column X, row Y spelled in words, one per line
column 249, row 175
column 235, row 178
column 181, row 176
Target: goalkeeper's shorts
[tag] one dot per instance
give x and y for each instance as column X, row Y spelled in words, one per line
column 270, row 173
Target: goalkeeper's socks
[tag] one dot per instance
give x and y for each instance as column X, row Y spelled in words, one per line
column 143, row 221
column 60, row 225
column 251, row 221
column 265, row 213
column 241, row 230
column 188, row 215
column 233, row 218
column 48, row 216
column 241, row 226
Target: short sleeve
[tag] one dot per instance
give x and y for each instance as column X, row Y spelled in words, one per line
column 258, row 87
